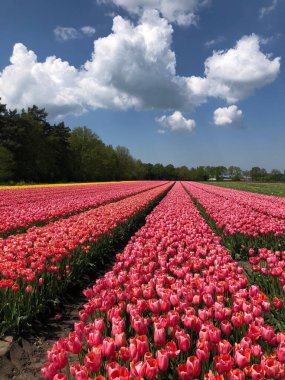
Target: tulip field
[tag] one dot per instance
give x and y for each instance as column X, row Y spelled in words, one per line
column 25, row 206
column 196, row 293
column 41, row 262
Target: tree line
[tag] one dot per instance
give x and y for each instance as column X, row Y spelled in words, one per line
column 34, row 150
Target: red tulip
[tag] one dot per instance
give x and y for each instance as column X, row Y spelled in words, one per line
column 226, row 327
column 281, row 352
column 193, row 366
column 242, row 357
column 223, row 363
column 183, row 341
column 92, row 361
column 236, row 374
column 272, row 368
column 257, row 372
column 224, row 347
column 162, row 358
column 124, row 354
column 160, row 337
column 151, row 369
column 183, row 372
column 277, row 303
column 109, row 347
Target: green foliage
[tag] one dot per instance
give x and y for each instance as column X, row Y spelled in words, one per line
column 34, row 150
column 6, row 164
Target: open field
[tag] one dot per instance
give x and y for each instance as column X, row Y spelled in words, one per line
column 188, row 282
column 276, row 189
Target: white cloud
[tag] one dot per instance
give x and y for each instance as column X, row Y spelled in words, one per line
column 264, row 11
column 134, row 67
column 182, row 12
column 215, row 41
column 88, row 30
column 235, row 74
column 51, row 84
column 64, row 34
column 176, row 123
column 270, row 39
column 161, row 131
column 228, row 116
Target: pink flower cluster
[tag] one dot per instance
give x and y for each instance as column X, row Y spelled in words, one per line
column 269, row 263
column 266, row 204
column 21, row 207
column 233, row 216
column 175, row 305
column 27, row 258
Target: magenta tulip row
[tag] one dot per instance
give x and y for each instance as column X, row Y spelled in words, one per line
column 25, row 259
column 22, row 207
column 234, row 216
column 174, row 306
column 269, row 264
column 266, row 204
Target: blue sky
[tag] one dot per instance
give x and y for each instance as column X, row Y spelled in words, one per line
column 188, row 82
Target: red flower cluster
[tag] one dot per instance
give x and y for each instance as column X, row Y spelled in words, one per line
column 45, row 257
column 174, row 305
column 21, row 207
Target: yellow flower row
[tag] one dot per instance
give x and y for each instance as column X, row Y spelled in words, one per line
column 59, row 184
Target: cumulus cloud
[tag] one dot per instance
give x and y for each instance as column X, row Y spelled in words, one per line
column 176, row 123
column 183, row 12
column 236, row 73
column 264, row 11
column 63, row 33
column 229, row 117
column 134, row 67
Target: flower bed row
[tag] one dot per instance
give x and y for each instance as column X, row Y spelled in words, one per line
column 42, row 262
column 234, row 217
column 268, row 268
column 175, row 306
column 22, row 207
column 266, row 204
column 240, row 225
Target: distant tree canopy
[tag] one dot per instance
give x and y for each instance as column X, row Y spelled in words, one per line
column 33, row 150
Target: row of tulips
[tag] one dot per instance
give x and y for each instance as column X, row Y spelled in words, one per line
column 241, row 226
column 22, row 207
column 266, row 204
column 234, row 217
column 268, row 267
column 40, row 263
column 174, row 306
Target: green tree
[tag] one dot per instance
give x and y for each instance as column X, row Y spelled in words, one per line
column 183, row 173
column 258, row 174
column 6, row 164
column 275, row 175
column 235, row 173
column 126, row 164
